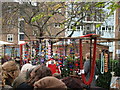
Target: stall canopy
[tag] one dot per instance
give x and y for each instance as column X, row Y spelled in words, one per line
column 3, row 42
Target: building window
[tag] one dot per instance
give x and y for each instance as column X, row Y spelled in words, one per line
column 10, row 37
column 57, row 25
column 78, row 27
column 88, row 28
column 106, row 27
column 118, row 42
column 109, row 28
column 21, row 26
column 112, row 27
column 103, row 28
column 21, row 36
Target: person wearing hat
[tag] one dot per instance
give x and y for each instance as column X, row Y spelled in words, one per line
column 50, row 82
column 23, row 74
column 9, row 72
column 34, row 75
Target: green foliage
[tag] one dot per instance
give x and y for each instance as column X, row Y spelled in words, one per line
column 112, row 7
column 78, row 23
column 74, row 28
column 100, row 4
column 41, row 15
column 62, row 26
column 87, row 6
column 92, row 14
column 37, row 17
column 104, row 80
column 113, row 66
column 70, row 58
column 117, row 69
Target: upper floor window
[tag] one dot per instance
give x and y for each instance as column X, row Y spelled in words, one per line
column 109, row 28
column 78, row 27
column 88, row 28
column 21, row 36
column 112, row 27
column 103, row 28
column 10, row 37
column 57, row 25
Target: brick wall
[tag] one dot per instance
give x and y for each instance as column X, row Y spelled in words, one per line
column 117, row 32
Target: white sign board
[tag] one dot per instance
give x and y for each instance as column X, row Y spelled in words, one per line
column 115, row 83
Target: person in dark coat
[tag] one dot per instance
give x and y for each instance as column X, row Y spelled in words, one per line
column 34, row 75
column 87, row 70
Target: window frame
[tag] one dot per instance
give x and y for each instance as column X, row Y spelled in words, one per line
column 10, row 37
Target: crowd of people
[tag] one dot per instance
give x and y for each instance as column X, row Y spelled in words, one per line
column 29, row 77
column 34, row 77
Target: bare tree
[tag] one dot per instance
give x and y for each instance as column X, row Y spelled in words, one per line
column 42, row 16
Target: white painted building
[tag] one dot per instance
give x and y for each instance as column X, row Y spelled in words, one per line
column 106, row 30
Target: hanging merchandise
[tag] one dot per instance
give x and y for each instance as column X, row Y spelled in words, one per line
column 42, row 51
column 33, row 53
column 49, row 49
column 37, row 52
column 77, row 63
column 102, row 63
column 46, row 51
column 74, row 57
column 106, row 63
column 32, row 49
column 63, row 58
column 71, row 61
column 26, row 53
column 52, row 63
column 61, row 55
column 45, row 48
column 93, row 61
